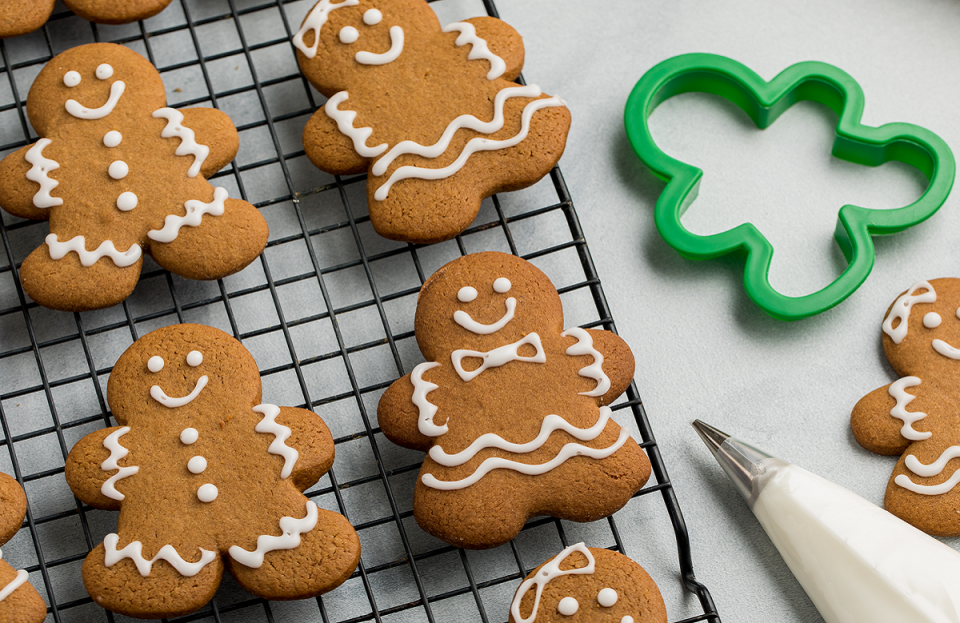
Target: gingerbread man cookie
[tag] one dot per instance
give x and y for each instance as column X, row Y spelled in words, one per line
column 916, row 416
column 204, row 476
column 118, row 173
column 18, row 17
column 588, row 585
column 431, row 113
column 510, row 408
column 19, row 601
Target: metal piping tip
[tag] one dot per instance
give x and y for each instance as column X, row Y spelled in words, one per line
column 743, row 464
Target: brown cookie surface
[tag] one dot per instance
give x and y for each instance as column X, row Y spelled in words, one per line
column 205, row 477
column 510, row 407
column 117, row 174
column 18, row 17
column 588, row 585
column 431, row 113
column 116, row 11
column 19, row 601
column 918, row 416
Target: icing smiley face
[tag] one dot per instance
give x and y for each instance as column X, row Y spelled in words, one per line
column 920, row 316
column 156, row 363
column 468, row 294
column 349, row 34
column 103, row 71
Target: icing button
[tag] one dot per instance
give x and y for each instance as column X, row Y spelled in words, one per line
column 568, row 606
column 197, row 465
column 127, row 201
column 118, row 169
column 189, row 436
column 207, row 493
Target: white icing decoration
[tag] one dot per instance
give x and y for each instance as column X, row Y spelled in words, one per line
column 38, row 173
column 933, row 469
column 426, row 408
column 467, row 294
column 127, row 201
column 550, row 571
column 937, row 467
column 291, row 529
column 16, row 583
column 488, row 465
column 568, row 606
column 197, row 465
column 898, row 391
column 207, row 493
column 627, row 619
column 344, row 119
column 104, row 71
column 548, row 426
column 134, row 551
column 498, row 356
column 189, row 436
column 466, row 321
column 945, row 349
column 372, row 17
column 349, row 34
column 468, row 36
column 160, row 396
column 396, row 47
column 474, row 145
column 112, row 138
column 932, row 320
column 155, row 364
column 902, row 306
column 195, row 211
column 188, row 138
column 607, row 597
column 80, row 111
column 502, row 285
column 278, row 446
column 958, row 312
column 315, row 21
column 72, row 78
column 117, row 452
column 584, row 346
column 194, row 358
column 78, row 244
column 118, row 169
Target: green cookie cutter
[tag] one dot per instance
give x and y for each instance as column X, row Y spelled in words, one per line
column 764, row 102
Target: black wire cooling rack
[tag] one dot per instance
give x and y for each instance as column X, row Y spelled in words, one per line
column 327, row 311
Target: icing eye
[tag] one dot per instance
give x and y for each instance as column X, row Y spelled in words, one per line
column 607, row 597
column 189, row 436
column 155, row 364
column 932, row 320
column 467, row 294
column 71, row 79
column 568, row 606
column 372, row 17
column 104, row 71
column 195, row 358
column 502, row 285
column 112, row 138
column 349, row 34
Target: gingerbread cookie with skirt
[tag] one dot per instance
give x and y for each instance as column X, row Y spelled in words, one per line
column 431, row 114
column 205, row 477
column 511, row 409
column 19, row 601
column 117, row 174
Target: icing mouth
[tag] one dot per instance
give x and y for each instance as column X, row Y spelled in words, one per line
column 396, row 47
column 464, row 319
column 161, row 396
column 80, row 111
column 945, row 349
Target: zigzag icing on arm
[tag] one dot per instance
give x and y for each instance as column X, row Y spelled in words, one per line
column 898, row 391
column 134, row 551
column 426, row 408
column 188, row 138
column 498, row 356
column 550, row 424
column 78, row 244
column 281, row 433
column 480, row 50
column 548, row 572
column 14, row 584
column 473, row 146
column 315, row 21
column 901, row 309
column 117, row 452
column 344, row 119
column 584, row 346
column 195, row 211
column 38, row 173
column 291, row 528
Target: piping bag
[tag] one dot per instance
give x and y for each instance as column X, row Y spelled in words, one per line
column 857, row 562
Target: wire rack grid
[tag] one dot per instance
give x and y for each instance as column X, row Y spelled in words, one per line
column 327, row 312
